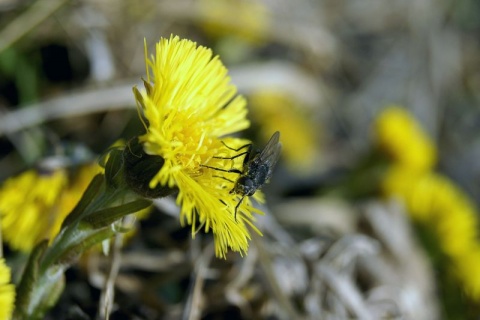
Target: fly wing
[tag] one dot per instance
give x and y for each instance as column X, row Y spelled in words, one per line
column 270, row 154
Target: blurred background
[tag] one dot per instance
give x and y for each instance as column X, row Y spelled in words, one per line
column 372, row 210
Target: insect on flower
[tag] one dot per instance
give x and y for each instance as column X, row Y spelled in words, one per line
column 257, row 167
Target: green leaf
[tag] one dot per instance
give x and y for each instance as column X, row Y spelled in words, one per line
column 51, row 292
column 88, row 237
column 87, row 197
column 105, row 217
column 44, row 295
column 28, row 284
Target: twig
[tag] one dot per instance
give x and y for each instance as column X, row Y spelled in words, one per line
column 38, row 12
column 345, row 290
column 119, row 96
column 75, row 104
column 269, row 272
column 108, row 292
column 192, row 307
column 246, row 273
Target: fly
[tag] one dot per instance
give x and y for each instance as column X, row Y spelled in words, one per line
column 257, row 167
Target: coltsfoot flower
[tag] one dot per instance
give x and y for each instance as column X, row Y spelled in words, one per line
column 275, row 110
column 435, row 201
column 248, row 20
column 431, row 198
column 190, row 108
column 7, row 291
column 34, row 204
column 403, row 138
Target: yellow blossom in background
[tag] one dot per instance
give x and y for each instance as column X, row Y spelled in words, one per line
column 190, row 107
column 26, row 204
column 430, row 198
column 437, row 202
column 33, row 205
column 246, row 19
column 401, row 137
column 7, row 292
column 457, row 227
column 466, row 269
column 274, row 110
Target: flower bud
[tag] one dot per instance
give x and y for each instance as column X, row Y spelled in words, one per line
column 140, row 168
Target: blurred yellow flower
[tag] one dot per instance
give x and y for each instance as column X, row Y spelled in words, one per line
column 436, row 201
column 274, row 110
column 247, row 19
column 7, row 292
column 466, row 269
column 189, row 108
column 26, row 205
column 430, row 198
column 33, row 205
column 457, row 229
column 400, row 136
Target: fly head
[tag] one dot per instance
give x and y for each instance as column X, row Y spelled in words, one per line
column 244, row 186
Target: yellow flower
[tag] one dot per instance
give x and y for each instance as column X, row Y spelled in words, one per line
column 274, row 110
column 457, row 227
column 400, row 135
column 33, row 205
column 246, row 19
column 190, row 107
column 436, row 202
column 7, row 292
column 430, row 198
column 26, row 203
column 466, row 269
column 418, row 190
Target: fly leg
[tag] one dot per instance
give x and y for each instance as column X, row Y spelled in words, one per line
column 247, row 153
column 223, row 170
column 249, row 145
column 236, row 208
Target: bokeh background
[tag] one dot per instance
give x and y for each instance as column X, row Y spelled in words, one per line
column 354, row 87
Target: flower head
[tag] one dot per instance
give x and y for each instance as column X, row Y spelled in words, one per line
column 248, row 20
column 431, row 198
column 26, row 203
column 275, row 110
column 190, row 107
column 466, row 269
column 34, row 204
column 435, row 201
column 401, row 136
column 7, row 291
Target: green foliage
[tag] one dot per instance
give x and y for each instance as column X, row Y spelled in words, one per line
column 106, row 201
